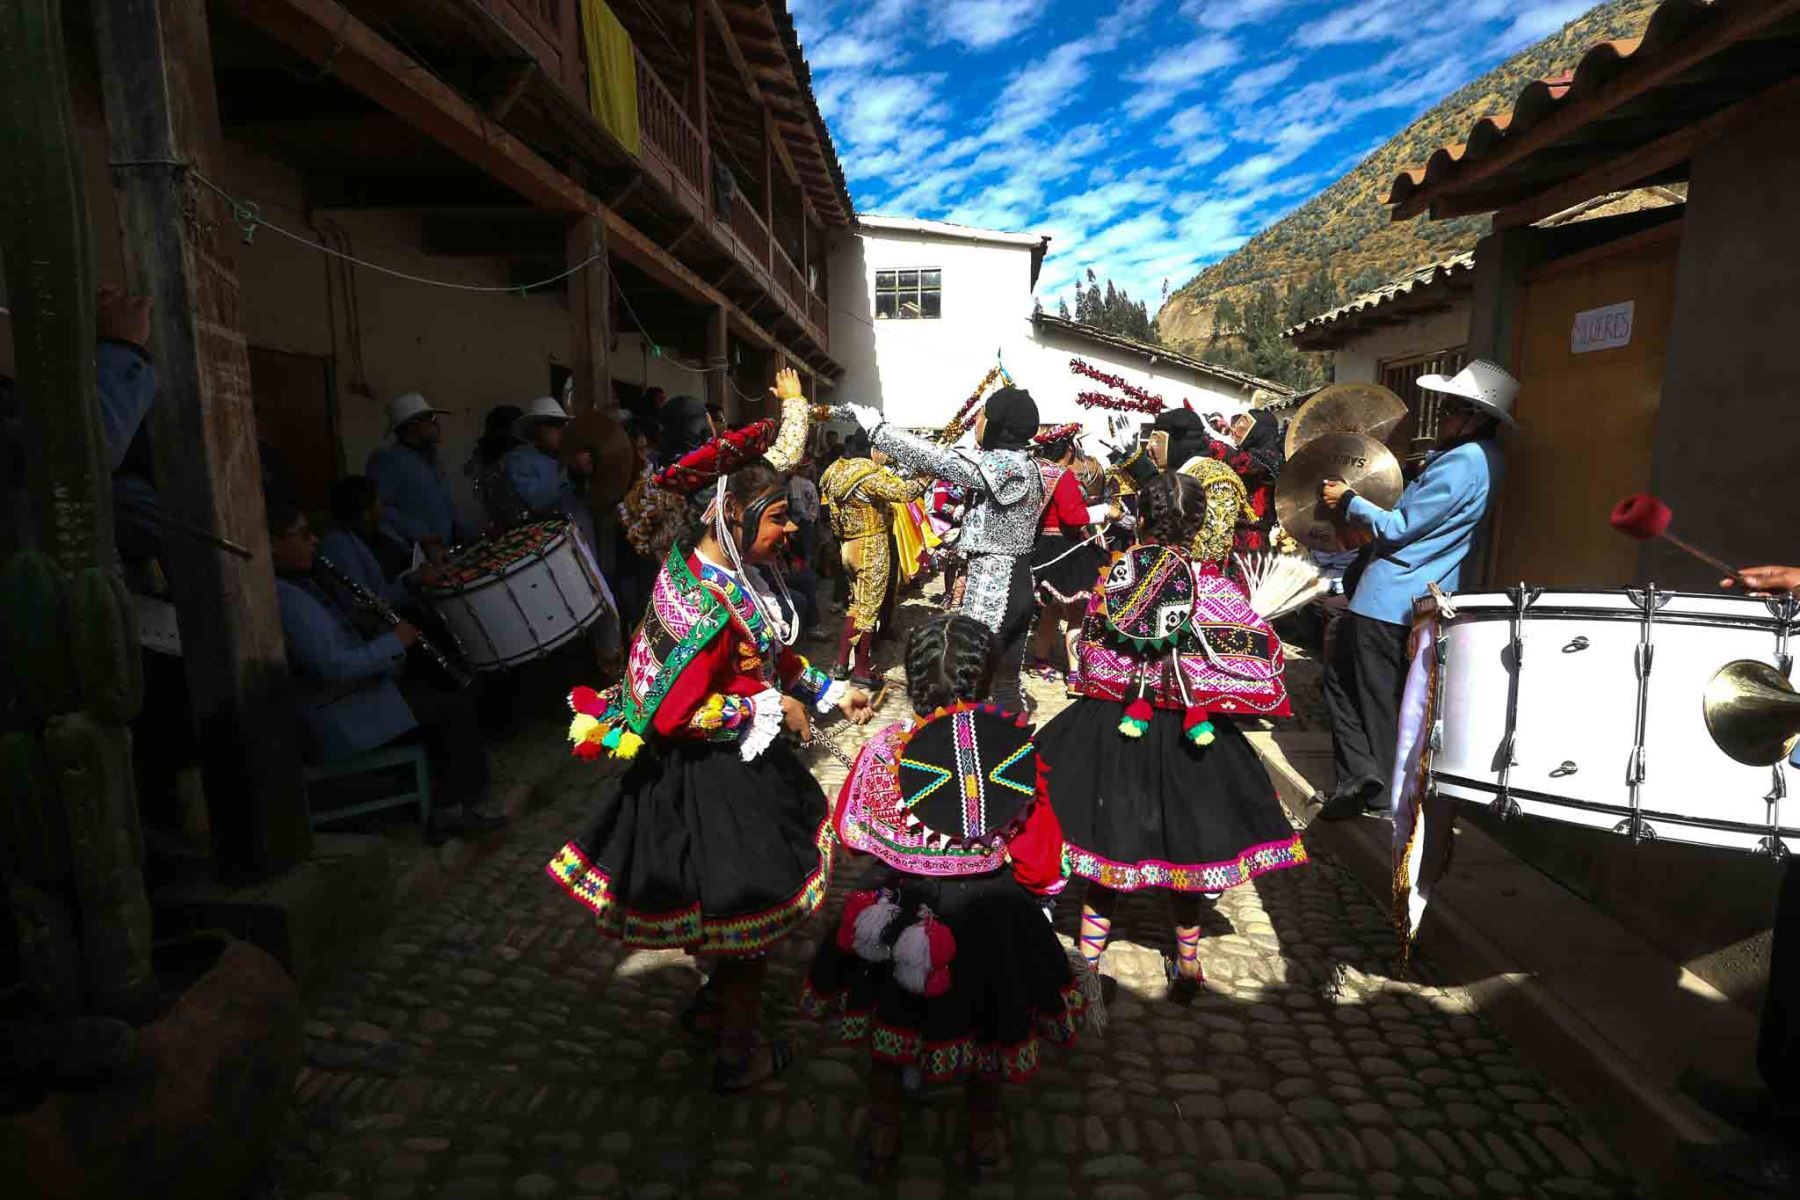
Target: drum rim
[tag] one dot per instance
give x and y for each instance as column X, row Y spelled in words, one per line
column 535, row 554
column 1434, row 777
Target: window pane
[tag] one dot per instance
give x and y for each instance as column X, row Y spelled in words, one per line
column 884, row 279
column 909, row 279
column 909, row 305
column 931, row 303
column 929, row 278
column 884, row 305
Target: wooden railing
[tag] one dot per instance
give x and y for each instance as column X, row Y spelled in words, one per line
column 665, row 129
column 750, row 231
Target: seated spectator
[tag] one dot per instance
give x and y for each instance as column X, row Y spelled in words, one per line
column 358, row 546
column 350, row 700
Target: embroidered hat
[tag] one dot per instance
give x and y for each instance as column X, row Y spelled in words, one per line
column 700, row 467
column 1057, row 433
column 967, row 777
column 1147, row 597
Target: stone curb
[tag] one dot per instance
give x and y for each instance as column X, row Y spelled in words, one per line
column 1646, row 1119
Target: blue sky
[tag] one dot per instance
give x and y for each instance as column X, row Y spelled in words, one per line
column 1146, row 138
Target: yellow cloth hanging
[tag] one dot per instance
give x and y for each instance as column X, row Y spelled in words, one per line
column 612, row 72
column 913, row 536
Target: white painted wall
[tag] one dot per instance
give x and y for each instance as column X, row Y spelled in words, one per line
column 1360, row 361
column 920, row 371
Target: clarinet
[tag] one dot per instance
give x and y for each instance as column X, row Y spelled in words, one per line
column 381, row 608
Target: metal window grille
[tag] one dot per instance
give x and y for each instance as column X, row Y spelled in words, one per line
column 909, row 295
column 1401, row 376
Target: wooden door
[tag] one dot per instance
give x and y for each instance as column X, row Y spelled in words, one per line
column 296, row 416
column 1586, row 418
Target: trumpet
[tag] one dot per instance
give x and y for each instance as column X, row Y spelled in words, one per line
column 381, row 608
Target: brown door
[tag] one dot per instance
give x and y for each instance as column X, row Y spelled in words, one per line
column 1587, row 416
column 296, row 417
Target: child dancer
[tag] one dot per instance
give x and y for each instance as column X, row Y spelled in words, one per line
column 715, row 837
column 947, row 965
column 1153, row 782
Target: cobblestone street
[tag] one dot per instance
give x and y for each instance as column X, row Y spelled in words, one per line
column 490, row 1044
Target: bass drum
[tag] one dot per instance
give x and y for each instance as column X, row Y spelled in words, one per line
column 1586, row 707
column 518, row 596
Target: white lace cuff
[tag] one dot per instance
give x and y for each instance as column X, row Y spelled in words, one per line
column 765, row 723
column 831, row 697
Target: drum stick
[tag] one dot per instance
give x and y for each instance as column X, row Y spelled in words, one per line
column 1645, row 517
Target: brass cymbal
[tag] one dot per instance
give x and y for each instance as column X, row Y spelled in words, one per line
column 615, row 465
column 1369, row 467
column 1366, row 408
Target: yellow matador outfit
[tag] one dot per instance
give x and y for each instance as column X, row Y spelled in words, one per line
column 858, row 495
column 1227, row 503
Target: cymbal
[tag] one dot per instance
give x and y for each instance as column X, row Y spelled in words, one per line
column 1366, row 408
column 615, row 464
column 1369, row 467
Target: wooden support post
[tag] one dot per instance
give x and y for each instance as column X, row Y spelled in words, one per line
column 590, row 315
column 163, row 126
column 718, row 362
column 768, row 205
column 697, row 100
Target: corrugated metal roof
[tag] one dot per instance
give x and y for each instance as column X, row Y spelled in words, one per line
column 1161, row 353
column 1419, row 279
column 1695, row 58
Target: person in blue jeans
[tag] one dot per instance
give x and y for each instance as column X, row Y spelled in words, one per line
column 1424, row 539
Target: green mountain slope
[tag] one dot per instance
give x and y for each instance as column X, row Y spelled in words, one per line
column 1344, row 232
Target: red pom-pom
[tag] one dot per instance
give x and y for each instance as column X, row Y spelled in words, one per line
column 586, row 700
column 586, row 750
column 1139, row 710
column 943, row 952
column 1195, row 715
column 1641, row 516
column 853, row 908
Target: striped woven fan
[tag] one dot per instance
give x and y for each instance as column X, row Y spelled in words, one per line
column 1280, row 583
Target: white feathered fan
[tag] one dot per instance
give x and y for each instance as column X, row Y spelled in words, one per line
column 1280, row 583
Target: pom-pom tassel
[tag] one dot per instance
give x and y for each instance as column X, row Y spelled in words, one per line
column 943, row 953
column 1197, row 727
column 629, row 744
column 853, row 908
column 1136, row 719
column 871, row 926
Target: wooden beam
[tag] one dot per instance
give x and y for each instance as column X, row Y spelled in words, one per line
column 1739, row 23
column 1647, row 160
column 157, row 80
column 736, row 54
column 325, row 32
column 504, row 83
column 590, row 314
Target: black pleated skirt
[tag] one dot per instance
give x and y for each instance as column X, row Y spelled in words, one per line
column 1065, row 568
column 693, row 848
column 1011, row 985
column 1158, row 811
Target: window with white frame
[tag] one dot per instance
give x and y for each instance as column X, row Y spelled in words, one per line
column 909, row 295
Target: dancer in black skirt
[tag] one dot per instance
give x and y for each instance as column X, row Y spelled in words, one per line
column 1153, row 782
column 715, row 838
column 947, row 965
column 1067, row 559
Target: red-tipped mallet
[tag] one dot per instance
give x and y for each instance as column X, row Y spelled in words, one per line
column 1645, row 517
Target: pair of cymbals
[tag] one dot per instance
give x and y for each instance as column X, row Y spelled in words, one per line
column 1338, row 434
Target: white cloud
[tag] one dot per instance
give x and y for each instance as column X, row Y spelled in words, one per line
column 1246, row 86
column 1177, row 71
column 1230, row 14
column 979, row 24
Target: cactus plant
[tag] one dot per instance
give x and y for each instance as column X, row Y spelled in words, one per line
column 73, row 859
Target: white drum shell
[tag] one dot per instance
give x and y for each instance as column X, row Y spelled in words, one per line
column 1576, row 713
column 538, row 603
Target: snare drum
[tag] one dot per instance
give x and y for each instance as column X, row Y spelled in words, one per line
column 517, row 596
column 1585, row 707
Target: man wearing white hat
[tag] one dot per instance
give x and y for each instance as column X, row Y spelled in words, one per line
column 536, row 474
column 1425, row 539
column 415, row 499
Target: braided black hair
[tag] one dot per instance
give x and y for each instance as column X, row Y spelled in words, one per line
column 949, row 658
column 1172, row 508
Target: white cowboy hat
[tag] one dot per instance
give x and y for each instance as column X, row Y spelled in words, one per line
column 544, row 408
column 407, row 406
column 1481, row 383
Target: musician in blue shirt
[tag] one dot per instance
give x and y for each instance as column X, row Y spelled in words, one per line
column 359, row 546
column 348, row 685
column 418, row 508
column 537, row 475
column 1425, row 539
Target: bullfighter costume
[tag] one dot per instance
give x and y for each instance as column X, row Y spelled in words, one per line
column 859, row 494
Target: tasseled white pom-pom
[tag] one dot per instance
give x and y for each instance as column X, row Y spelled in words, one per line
column 912, row 957
column 872, row 926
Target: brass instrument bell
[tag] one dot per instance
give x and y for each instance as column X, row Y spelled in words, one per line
column 1752, row 713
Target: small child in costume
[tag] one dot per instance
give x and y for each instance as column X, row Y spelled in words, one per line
column 947, row 964
column 1152, row 781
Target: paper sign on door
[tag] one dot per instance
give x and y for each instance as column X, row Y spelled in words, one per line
column 1602, row 328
